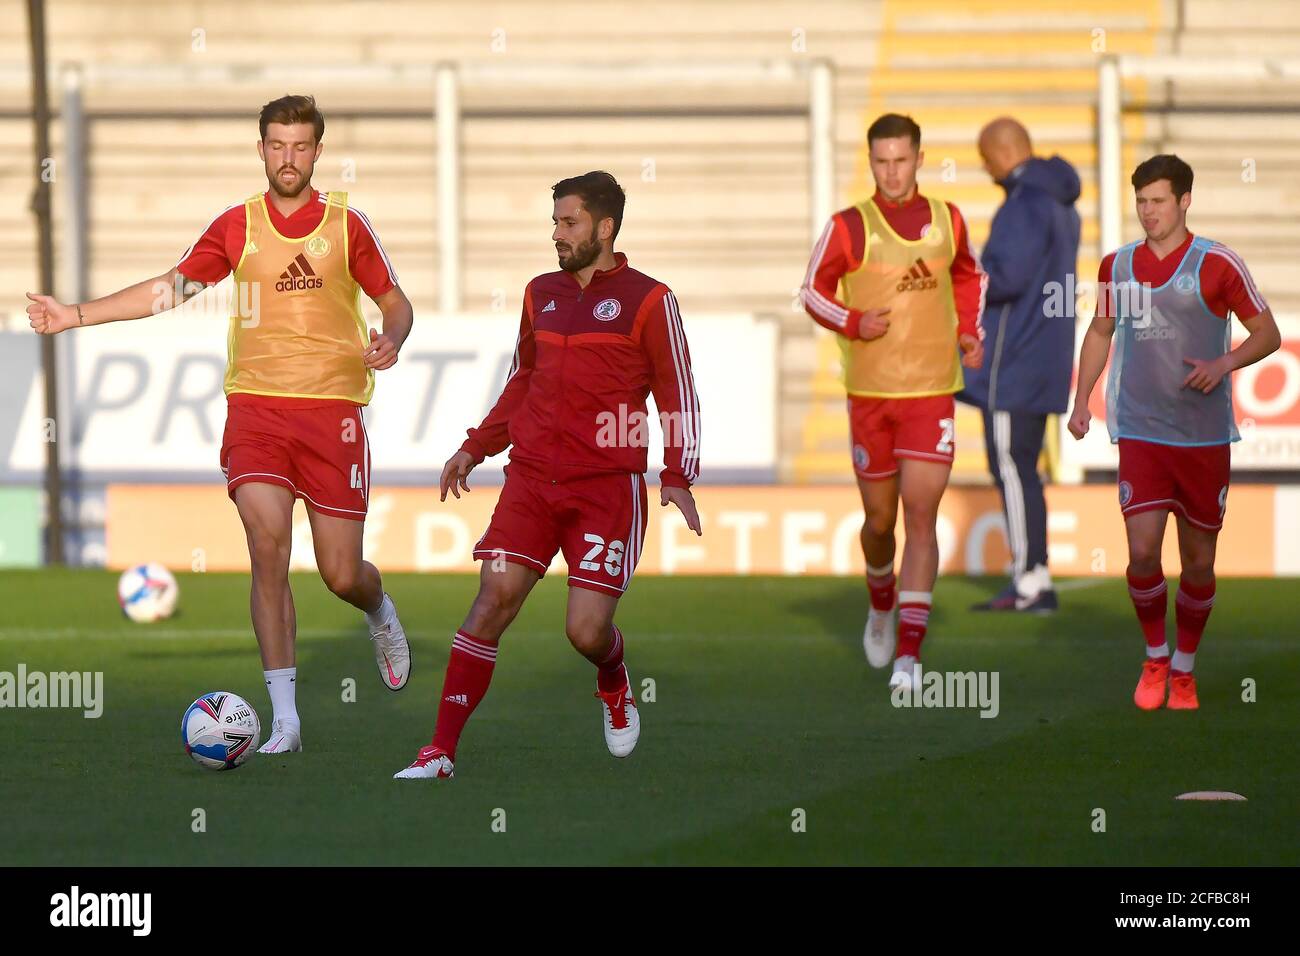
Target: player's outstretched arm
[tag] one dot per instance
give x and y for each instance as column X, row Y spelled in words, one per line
column 382, row 350
column 48, row 316
column 1092, row 359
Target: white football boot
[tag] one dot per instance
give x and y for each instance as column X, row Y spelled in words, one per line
column 907, row 674
column 284, row 739
column 392, row 652
column 430, row 764
column 879, row 636
column 622, row 722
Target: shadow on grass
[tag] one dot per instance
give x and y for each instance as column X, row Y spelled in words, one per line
column 1086, row 615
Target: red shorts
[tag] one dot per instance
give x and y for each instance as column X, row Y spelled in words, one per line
column 886, row 429
column 318, row 450
column 1190, row 480
column 598, row 522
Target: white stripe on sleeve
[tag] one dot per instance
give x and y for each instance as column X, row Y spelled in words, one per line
column 392, row 274
column 688, row 400
column 812, row 299
column 1236, row 262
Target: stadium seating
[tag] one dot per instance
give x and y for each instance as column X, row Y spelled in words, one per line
column 718, row 202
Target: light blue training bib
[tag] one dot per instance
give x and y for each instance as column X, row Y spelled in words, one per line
column 1155, row 329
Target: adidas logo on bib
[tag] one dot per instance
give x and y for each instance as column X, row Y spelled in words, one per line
column 299, row 275
column 919, row 278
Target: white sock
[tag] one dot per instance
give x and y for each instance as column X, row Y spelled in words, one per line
column 384, row 614
column 1161, row 651
column 282, row 685
column 1183, row 661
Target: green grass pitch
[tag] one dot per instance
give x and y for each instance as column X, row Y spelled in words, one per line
column 764, row 705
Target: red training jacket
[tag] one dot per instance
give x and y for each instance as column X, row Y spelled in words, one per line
column 575, row 402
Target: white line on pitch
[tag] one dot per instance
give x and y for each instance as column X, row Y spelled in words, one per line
column 145, row 631
column 1080, row 584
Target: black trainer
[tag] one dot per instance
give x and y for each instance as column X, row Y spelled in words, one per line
column 1009, row 599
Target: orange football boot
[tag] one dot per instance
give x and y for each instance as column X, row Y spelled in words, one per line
column 1150, row 693
column 1182, row 692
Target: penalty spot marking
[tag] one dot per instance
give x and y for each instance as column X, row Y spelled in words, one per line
column 1210, row 795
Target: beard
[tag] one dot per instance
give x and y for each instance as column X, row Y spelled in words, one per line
column 301, row 182
column 580, row 257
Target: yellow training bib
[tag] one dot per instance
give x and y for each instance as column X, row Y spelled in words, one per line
column 918, row 355
column 306, row 335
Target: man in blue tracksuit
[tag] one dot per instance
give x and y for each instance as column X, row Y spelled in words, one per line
column 1028, row 344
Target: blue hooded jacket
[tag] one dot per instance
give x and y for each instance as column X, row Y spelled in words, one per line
column 1033, row 243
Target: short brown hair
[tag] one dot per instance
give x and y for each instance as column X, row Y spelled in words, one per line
column 1165, row 166
column 600, row 193
column 892, row 125
column 292, row 109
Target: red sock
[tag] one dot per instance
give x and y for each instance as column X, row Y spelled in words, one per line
column 881, row 587
column 610, row 675
column 468, row 674
column 1192, row 608
column 913, row 618
column 1150, row 599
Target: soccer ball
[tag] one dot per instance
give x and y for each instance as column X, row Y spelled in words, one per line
column 220, row 730
column 147, row 592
